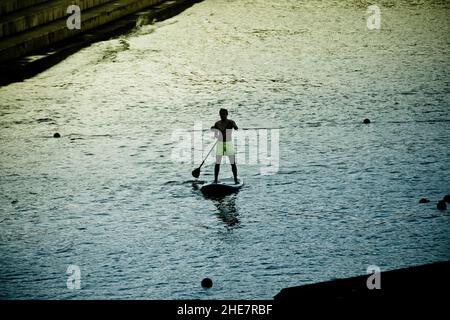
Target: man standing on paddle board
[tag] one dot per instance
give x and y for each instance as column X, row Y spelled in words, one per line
column 223, row 129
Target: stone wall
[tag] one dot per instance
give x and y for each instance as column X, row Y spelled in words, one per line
column 29, row 25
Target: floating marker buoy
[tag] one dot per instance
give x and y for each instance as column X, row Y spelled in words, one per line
column 366, row 121
column 424, row 200
column 207, row 283
column 56, row 135
column 441, row 205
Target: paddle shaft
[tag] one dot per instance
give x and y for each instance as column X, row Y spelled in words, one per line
column 208, row 154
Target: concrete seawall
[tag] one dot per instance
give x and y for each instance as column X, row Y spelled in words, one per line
column 8, row 6
column 34, row 34
column 41, row 14
column 421, row 284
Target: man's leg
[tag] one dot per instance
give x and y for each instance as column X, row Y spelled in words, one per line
column 217, row 168
column 233, row 168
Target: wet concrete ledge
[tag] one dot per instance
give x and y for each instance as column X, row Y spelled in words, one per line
column 18, row 69
column 46, row 24
column 8, row 6
column 421, row 285
column 40, row 14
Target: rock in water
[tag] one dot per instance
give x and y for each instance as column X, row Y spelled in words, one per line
column 56, row 135
column 207, row 283
column 366, row 121
column 441, row 205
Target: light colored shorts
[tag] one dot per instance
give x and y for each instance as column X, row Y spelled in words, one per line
column 225, row 148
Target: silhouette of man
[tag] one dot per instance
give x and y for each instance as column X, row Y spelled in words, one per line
column 223, row 130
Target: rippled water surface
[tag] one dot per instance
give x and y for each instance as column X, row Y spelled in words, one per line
column 109, row 197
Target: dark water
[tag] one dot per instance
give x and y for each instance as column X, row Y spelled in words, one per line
column 110, row 197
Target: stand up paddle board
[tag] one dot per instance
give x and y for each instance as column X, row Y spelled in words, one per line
column 223, row 187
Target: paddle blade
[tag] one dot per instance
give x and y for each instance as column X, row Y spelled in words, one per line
column 196, row 173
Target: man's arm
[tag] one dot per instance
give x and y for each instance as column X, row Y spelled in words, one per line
column 216, row 131
column 235, row 127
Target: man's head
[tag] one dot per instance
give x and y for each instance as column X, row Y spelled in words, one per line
column 223, row 114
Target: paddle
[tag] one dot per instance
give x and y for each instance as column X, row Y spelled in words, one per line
column 196, row 172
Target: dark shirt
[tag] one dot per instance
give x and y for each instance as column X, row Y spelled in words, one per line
column 225, row 128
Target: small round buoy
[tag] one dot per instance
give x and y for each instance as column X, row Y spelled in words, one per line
column 447, row 198
column 56, row 135
column 207, row 283
column 424, row 200
column 441, row 205
column 366, row 121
